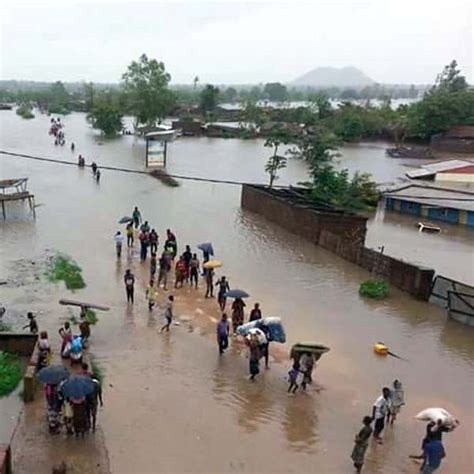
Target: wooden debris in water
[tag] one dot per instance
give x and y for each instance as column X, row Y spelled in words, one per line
column 164, row 177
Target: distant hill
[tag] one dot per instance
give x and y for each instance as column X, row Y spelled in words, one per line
column 332, row 76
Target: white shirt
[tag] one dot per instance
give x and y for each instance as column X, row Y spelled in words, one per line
column 119, row 239
column 382, row 406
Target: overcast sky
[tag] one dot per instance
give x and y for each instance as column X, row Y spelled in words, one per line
column 396, row 41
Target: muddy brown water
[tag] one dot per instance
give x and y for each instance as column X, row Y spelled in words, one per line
column 171, row 403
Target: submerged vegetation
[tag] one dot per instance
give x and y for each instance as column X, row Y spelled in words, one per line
column 63, row 268
column 10, row 373
column 25, row 111
column 376, row 289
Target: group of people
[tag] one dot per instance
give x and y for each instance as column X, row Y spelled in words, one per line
column 187, row 269
column 78, row 416
column 384, row 411
column 56, row 130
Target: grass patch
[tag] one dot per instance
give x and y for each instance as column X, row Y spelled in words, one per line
column 10, row 373
column 5, row 327
column 97, row 371
column 91, row 318
column 64, row 268
column 376, row 289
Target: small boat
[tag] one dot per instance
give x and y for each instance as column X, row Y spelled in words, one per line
column 380, row 348
column 428, row 227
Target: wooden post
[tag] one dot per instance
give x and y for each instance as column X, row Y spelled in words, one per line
column 146, row 152
column 165, row 153
column 3, row 209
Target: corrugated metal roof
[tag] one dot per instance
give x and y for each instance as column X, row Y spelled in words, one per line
column 433, row 168
column 436, row 197
column 463, row 170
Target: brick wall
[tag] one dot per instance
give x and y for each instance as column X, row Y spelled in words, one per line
column 406, row 276
column 301, row 219
column 343, row 235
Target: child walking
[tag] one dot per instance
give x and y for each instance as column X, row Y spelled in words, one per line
column 168, row 314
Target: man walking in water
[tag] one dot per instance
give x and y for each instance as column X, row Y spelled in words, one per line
column 136, row 217
column 129, row 280
column 381, row 409
column 168, row 314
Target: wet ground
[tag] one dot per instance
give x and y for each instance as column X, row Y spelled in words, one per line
column 171, row 403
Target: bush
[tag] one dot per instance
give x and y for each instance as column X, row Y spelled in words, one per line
column 63, row 268
column 376, row 289
column 10, row 373
column 24, row 111
column 5, row 327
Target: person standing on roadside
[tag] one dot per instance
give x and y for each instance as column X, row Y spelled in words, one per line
column 118, row 243
column 164, row 265
column 380, row 410
column 153, row 241
column 129, row 280
column 223, row 334
column 223, row 285
column 129, row 231
column 209, row 275
column 256, row 313
column 194, row 270
column 136, row 217
column 187, row 256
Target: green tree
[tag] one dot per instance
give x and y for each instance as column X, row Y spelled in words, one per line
column 195, row 82
column 450, row 79
column 59, row 99
column 209, row 97
column 278, row 136
column 146, row 87
column 88, row 92
column 275, row 91
column 106, row 116
column 230, row 94
column 321, row 105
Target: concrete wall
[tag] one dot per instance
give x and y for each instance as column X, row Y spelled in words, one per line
column 25, row 345
column 18, row 343
column 406, row 276
column 343, row 235
column 453, row 145
column 300, row 219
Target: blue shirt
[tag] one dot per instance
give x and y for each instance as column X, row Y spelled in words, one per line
column 223, row 328
column 434, row 452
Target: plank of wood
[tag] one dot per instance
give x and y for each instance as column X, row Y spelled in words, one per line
column 82, row 303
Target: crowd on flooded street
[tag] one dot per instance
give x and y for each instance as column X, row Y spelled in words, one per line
column 189, row 270
column 170, row 268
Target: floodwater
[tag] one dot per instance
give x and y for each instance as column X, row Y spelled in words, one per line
column 171, row 403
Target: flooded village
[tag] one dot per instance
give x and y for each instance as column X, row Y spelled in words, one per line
column 211, row 282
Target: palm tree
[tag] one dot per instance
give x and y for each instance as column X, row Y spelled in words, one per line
column 195, row 82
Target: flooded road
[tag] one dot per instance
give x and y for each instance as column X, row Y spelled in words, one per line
column 171, row 404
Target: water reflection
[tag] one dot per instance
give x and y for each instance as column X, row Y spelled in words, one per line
column 301, row 423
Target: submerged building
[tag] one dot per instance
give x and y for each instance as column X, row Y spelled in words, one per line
column 455, row 206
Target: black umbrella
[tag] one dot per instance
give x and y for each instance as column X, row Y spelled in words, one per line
column 236, row 294
column 53, row 374
column 77, row 386
column 206, row 247
column 125, row 220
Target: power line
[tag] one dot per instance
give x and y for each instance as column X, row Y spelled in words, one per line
column 129, row 170
column 197, row 178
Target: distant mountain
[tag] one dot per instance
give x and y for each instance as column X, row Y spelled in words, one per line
column 332, row 76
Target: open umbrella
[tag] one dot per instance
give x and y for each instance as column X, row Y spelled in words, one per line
column 53, row 374
column 212, row 264
column 125, row 220
column 206, row 247
column 77, row 386
column 236, row 294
